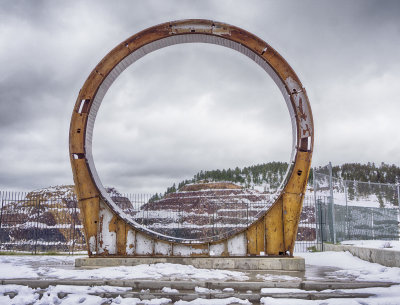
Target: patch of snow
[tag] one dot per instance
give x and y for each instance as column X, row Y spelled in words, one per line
column 383, row 296
column 352, row 267
column 277, row 277
column 226, row 301
column 376, row 244
column 169, row 290
column 87, row 289
column 280, row 301
column 153, row 271
column 228, row 290
column 206, row 290
column 136, row 301
column 284, row 290
column 11, row 271
column 75, row 295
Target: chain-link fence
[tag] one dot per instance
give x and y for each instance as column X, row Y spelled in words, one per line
column 333, row 210
column 40, row 222
column 50, row 220
column 355, row 210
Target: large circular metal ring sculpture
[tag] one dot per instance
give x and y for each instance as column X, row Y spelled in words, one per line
column 109, row 231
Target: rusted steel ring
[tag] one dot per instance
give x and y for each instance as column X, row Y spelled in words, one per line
column 87, row 181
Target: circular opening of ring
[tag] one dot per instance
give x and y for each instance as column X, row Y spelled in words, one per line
column 250, row 201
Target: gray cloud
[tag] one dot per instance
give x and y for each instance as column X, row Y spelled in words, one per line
column 158, row 125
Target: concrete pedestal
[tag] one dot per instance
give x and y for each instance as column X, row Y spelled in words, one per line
column 239, row 263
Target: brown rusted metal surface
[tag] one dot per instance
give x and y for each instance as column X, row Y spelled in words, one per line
column 111, row 232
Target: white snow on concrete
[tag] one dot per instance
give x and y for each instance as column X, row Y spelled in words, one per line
column 169, row 290
column 87, row 289
column 281, row 301
column 154, row 271
column 352, row 267
column 136, row 301
column 11, row 271
column 75, row 295
column 375, row 244
column 283, row 290
column 383, row 296
column 277, row 277
column 226, row 301
column 61, row 267
column 206, row 290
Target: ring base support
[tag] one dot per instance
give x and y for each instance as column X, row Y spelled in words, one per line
column 237, row 263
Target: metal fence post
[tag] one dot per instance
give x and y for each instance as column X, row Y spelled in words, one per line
column 372, row 223
column 321, row 229
column 398, row 193
column 247, row 213
column 331, row 206
column 398, row 201
column 2, row 205
column 74, row 217
column 1, row 219
column 37, row 205
column 347, row 210
column 318, row 232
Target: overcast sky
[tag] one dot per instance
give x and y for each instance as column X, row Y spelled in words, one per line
column 194, row 107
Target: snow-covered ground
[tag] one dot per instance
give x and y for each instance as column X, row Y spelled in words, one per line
column 345, row 267
column 352, row 267
column 376, row 244
column 13, row 267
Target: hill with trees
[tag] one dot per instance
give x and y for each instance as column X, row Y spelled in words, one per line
column 271, row 174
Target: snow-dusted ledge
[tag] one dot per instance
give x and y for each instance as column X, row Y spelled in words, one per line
column 239, row 263
column 388, row 258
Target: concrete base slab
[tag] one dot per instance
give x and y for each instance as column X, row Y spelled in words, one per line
column 238, row 263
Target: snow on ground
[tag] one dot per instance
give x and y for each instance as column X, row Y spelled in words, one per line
column 384, row 296
column 169, row 290
column 283, row 290
column 352, row 267
column 277, row 277
column 225, row 301
column 376, row 244
column 76, row 295
column 347, row 267
column 54, row 267
column 11, row 271
column 206, row 290
column 153, row 271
